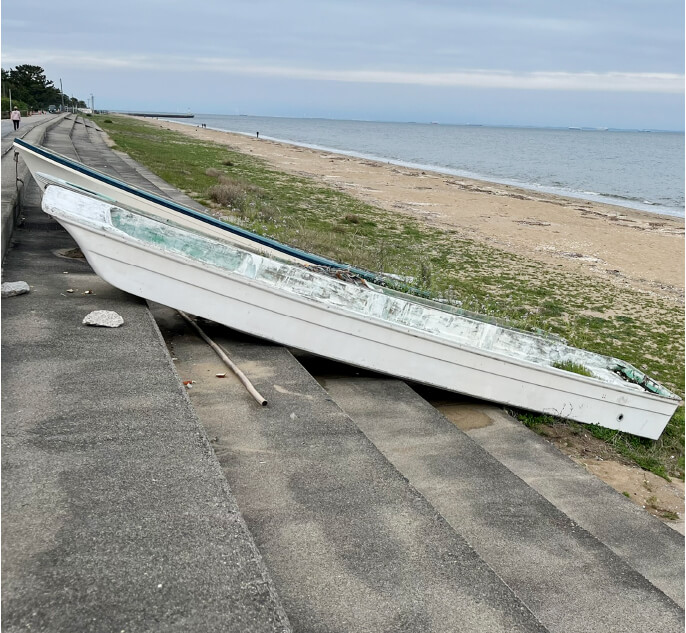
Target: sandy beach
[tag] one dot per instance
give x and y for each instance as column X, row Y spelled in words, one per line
column 642, row 250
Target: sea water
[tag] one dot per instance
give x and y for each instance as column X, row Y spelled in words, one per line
column 635, row 169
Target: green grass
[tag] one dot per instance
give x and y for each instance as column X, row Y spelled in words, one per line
column 589, row 311
column 575, row 368
column 670, row 515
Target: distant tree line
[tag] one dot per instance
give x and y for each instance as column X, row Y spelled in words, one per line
column 30, row 90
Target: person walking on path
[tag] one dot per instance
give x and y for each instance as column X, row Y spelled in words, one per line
column 16, row 117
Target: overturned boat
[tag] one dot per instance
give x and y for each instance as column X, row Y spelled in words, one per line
column 354, row 321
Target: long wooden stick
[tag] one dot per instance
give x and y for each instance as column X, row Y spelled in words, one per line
column 222, row 354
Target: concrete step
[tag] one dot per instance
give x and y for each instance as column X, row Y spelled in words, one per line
column 568, row 578
column 58, row 138
column 647, row 544
column 350, row 544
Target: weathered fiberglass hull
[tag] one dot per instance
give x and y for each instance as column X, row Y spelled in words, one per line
column 352, row 322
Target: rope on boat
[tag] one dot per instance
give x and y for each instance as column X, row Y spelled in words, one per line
column 222, row 354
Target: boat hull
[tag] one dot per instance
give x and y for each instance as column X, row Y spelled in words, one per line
column 409, row 353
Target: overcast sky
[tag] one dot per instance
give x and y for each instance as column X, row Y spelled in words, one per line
column 600, row 63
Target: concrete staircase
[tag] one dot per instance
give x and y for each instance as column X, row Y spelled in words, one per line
column 594, row 568
column 350, row 483
column 372, row 512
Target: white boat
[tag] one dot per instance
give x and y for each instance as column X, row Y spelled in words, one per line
column 353, row 321
column 47, row 166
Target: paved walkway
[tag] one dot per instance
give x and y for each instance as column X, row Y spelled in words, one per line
column 26, row 125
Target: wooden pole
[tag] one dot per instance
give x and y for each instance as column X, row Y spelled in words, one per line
column 222, row 354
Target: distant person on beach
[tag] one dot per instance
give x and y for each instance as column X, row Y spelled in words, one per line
column 16, row 117
column 258, row 135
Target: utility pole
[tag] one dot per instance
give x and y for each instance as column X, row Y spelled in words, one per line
column 10, row 99
column 62, row 93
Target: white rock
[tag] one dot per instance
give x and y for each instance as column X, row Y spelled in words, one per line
column 14, row 288
column 103, row 318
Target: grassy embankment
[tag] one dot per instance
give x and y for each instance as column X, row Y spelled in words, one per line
column 643, row 329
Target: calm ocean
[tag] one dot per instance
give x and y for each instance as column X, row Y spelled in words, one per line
column 640, row 170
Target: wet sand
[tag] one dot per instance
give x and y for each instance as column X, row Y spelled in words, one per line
column 632, row 248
